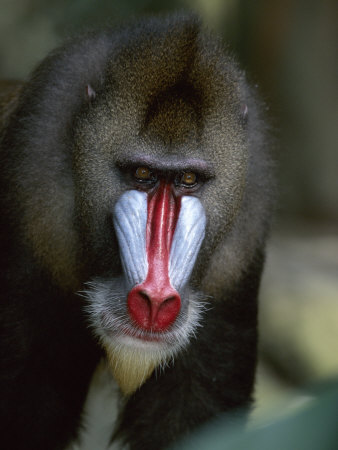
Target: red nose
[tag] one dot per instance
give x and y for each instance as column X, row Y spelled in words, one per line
column 154, row 304
column 153, row 309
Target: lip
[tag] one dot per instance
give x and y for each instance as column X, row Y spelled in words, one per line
column 133, row 332
column 143, row 335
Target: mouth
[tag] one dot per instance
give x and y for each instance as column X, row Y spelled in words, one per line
column 147, row 336
column 130, row 331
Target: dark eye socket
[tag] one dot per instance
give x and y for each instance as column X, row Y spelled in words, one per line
column 144, row 175
column 188, row 179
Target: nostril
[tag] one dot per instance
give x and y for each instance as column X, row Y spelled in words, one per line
column 166, row 302
column 145, row 297
column 139, row 306
column 168, row 311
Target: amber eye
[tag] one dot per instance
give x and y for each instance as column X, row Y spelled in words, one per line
column 188, row 179
column 143, row 174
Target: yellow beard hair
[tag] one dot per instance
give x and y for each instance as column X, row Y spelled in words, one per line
column 131, row 366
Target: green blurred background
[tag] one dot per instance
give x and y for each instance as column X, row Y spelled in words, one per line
column 290, row 49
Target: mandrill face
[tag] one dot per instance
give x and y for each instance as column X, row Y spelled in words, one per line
column 148, row 314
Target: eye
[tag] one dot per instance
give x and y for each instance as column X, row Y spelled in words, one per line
column 143, row 174
column 188, row 179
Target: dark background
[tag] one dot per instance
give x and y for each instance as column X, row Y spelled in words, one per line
column 290, row 49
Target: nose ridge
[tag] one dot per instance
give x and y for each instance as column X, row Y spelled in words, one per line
column 154, row 304
column 153, row 309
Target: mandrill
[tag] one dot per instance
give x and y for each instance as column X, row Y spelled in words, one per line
column 134, row 207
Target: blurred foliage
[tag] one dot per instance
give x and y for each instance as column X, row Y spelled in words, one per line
column 299, row 306
column 311, row 427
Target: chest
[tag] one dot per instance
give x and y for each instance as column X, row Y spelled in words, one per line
column 99, row 413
